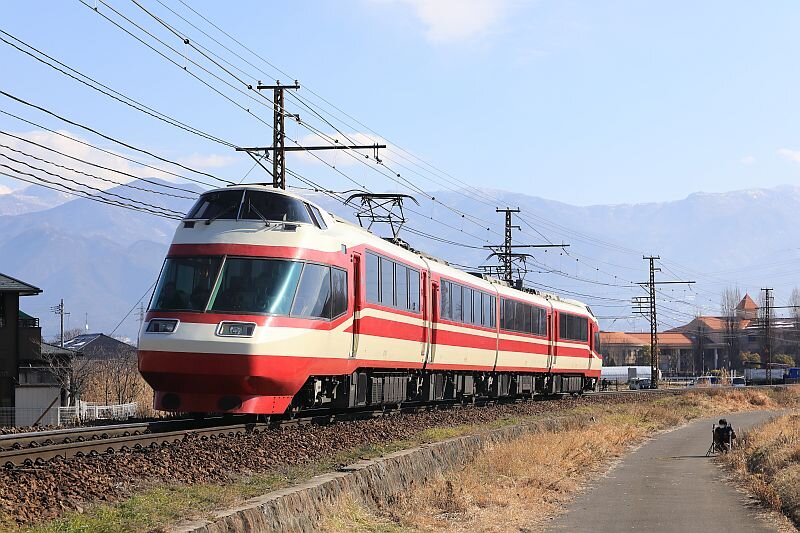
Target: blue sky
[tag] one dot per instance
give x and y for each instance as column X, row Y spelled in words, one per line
column 581, row 102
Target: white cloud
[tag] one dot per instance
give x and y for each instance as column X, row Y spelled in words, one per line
column 5, row 190
column 67, row 143
column 791, row 155
column 457, row 20
column 337, row 158
column 748, row 160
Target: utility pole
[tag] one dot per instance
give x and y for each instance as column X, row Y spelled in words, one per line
column 648, row 304
column 653, row 321
column 505, row 252
column 766, row 323
column 505, row 256
column 141, row 319
column 279, row 147
column 59, row 310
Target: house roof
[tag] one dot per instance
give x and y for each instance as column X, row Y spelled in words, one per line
column 643, row 339
column 665, row 338
column 98, row 345
column 747, row 304
column 9, row 284
column 52, row 350
column 618, row 337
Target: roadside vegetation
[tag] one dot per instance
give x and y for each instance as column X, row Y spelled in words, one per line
column 529, row 480
column 767, row 462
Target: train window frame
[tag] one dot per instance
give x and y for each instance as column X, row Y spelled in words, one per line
column 238, row 209
column 522, row 320
column 316, row 216
column 568, row 323
column 414, row 290
column 301, row 285
column 389, row 296
column 343, row 273
column 373, row 293
column 445, row 302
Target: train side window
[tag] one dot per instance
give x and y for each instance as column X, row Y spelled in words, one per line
column 506, row 311
column 477, row 306
column 401, row 286
column 317, row 217
column 413, row 290
column 445, row 309
column 492, row 312
column 535, row 320
column 313, row 298
column 339, row 289
column 573, row 327
column 456, row 295
column 387, row 282
column 373, row 280
column 541, row 321
column 519, row 318
column 486, row 318
column 527, row 325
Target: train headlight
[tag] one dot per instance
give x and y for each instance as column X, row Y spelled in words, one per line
column 161, row 325
column 236, row 329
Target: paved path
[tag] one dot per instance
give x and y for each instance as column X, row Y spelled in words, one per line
column 667, row 485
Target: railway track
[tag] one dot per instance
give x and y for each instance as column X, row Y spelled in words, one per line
column 27, row 449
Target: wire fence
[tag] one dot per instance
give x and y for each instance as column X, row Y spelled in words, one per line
column 65, row 416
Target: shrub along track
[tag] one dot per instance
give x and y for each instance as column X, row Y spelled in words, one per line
column 43, row 491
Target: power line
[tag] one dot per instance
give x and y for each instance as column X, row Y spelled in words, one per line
column 48, row 184
column 108, row 91
column 128, row 185
column 109, row 152
column 145, row 205
column 112, row 139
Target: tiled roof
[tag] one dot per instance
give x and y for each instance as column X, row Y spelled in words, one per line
column 643, row 339
column 747, row 304
column 9, row 284
column 618, row 337
column 51, row 350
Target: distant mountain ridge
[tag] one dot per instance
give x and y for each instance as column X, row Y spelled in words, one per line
column 101, row 259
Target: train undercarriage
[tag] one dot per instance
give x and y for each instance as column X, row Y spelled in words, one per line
column 367, row 388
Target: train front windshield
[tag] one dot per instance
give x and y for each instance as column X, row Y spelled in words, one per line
column 245, row 285
column 186, row 283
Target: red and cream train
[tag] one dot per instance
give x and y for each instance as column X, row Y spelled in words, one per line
column 266, row 303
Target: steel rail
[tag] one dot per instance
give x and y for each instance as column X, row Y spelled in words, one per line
column 27, row 449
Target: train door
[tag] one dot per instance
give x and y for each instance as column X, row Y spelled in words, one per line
column 434, row 320
column 590, row 345
column 357, row 299
column 426, row 315
column 552, row 336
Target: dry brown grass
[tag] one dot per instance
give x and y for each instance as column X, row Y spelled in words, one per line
column 768, row 463
column 530, row 479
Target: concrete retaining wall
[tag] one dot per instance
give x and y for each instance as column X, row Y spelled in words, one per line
column 375, row 482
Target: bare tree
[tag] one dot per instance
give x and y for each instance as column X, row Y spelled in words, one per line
column 731, row 297
column 73, row 373
column 794, row 302
column 116, row 379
